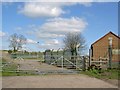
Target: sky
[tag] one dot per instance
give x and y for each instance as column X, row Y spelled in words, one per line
column 48, row 22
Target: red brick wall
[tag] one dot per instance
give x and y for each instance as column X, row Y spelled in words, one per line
column 100, row 48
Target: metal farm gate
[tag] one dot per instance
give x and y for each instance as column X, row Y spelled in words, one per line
column 45, row 63
column 65, row 60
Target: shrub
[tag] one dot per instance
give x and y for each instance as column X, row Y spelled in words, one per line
column 9, row 51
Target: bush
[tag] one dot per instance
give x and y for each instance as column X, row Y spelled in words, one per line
column 9, row 51
column 93, row 66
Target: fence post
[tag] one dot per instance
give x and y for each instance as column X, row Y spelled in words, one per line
column 63, row 58
column 84, row 64
column 110, row 51
column 76, row 62
column 18, row 69
column 51, row 55
column 89, row 57
column 57, row 52
column 44, row 56
column 62, row 63
column 110, row 57
column 100, row 61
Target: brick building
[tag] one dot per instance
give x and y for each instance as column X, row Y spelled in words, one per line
column 100, row 47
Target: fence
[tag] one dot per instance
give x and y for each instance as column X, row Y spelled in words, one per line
column 102, row 63
column 66, row 61
column 27, row 56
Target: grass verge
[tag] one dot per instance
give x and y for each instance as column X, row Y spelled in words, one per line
column 103, row 74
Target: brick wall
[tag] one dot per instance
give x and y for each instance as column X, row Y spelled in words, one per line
column 100, row 47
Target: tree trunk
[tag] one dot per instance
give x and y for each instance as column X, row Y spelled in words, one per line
column 14, row 49
column 72, row 52
column 75, row 51
column 72, row 57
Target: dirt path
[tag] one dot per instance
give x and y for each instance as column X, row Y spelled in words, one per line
column 54, row 81
column 34, row 64
column 41, row 68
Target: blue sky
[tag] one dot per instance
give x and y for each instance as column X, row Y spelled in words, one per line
column 47, row 23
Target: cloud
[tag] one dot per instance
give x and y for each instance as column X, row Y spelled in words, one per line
column 51, row 44
column 47, row 9
column 41, row 10
column 30, row 41
column 58, row 27
column 64, row 25
column 53, row 30
column 2, row 34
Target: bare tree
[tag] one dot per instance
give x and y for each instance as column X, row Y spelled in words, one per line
column 73, row 41
column 16, row 41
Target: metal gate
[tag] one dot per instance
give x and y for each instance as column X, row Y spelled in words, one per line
column 64, row 61
column 52, row 64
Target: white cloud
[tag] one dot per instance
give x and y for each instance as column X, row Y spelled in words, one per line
column 51, row 31
column 58, row 27
column 41, row 10
column 2, row 34
column 52, row 42
column 64, row 25
column 46, row 35
column 30, row 41
column 47, row 9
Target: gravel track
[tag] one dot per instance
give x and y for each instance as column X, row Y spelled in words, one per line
column 54, row 81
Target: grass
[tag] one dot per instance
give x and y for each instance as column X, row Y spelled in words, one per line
column 9, row 74
column 104, row 74
column 7, row 68
column 18, row 74
column 11, row 70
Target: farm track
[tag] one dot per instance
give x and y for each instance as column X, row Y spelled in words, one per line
column 42, row 68
column 54, row 81
column 50, row 80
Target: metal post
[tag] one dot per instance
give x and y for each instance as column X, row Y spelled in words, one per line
column 76, row 63
column 57, row 53
column 110, row 52
column 84, row 64
column 18, row 69
column 37, row 52
column 62, row 63
column 44, row 55
column 77, row 49
column 110, row 57
column 90, row 57
column 63, row 58
column 51, row 55
column 37, row 55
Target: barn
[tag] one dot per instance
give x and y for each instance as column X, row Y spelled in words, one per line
column 100, row 48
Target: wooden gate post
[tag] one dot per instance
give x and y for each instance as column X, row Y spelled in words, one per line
column 84, row 64
column 76, row 62
column 90, row 51
column 63, row 58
